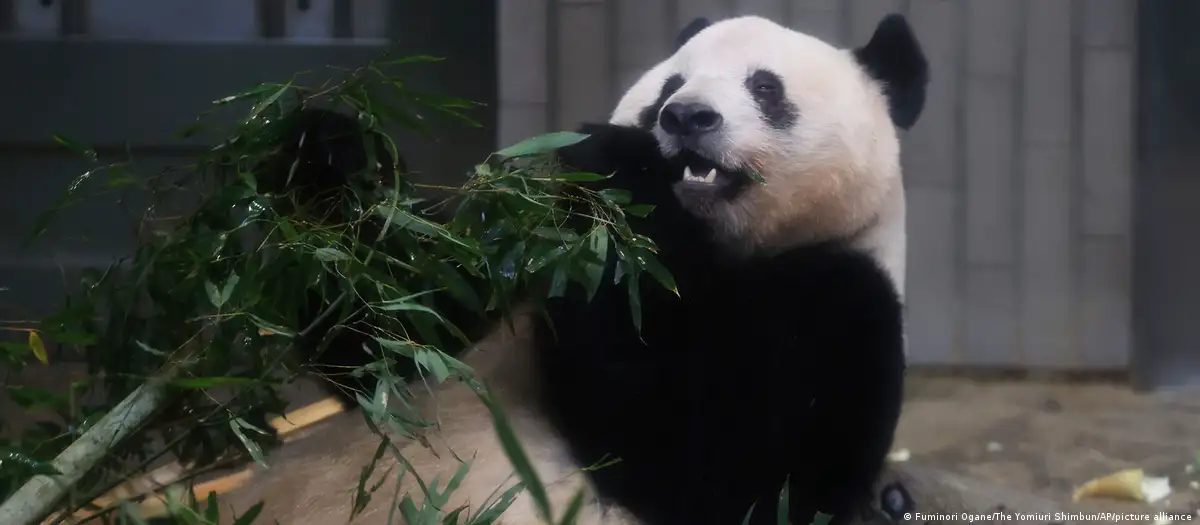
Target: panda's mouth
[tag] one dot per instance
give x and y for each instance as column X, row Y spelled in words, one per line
column 700, row 171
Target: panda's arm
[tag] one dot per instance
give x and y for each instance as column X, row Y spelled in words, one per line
column 629, row 154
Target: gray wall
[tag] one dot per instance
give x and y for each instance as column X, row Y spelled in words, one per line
column 1018, row 175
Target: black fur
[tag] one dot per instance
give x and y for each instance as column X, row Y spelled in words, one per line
column 773, row 103
column 692, row 29
column 894, row 57
column 789, row 367
column 649, row 115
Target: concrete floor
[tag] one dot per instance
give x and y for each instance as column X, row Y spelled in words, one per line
column 1036, row 437
column 1049, row 437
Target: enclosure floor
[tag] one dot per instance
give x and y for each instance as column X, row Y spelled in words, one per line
column 1046, row 437
column 1049, row 437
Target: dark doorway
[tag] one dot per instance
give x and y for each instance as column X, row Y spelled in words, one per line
column 1166, row 294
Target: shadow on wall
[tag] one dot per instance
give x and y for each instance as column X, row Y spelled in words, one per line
column 1166, row 285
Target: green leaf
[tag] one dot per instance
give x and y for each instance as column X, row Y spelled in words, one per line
column 33, row 399
column 209, row 382
column 146, row 348
column 38, row 347
column 820, row 518
column 14, row 350
column 573, row 509
column 516, row 455
column 558, row 281
column 131, row 512
column 581, row 176
column 330, row 255
column 635, row 303
column 227, row 290
column 616, row 196
column 594, row 270
column 540, row 261
column 491, row 514
column 214, row 294
column 756, row 177
column 541, row 144
column 639, row 210
column 431, row 361
column 647, row 261
column 250, row 515
column 77, row 147
column 237, row 424
column 749, row 513
column 272, row 329
column 258, row 108
column 212, row 512
column 256, row 91
column 781, row 513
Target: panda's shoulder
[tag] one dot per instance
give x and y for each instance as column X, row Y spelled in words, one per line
column 822, row 280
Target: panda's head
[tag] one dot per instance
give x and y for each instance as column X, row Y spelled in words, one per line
column 745, row 98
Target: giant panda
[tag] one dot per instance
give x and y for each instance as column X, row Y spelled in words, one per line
column 777, row 361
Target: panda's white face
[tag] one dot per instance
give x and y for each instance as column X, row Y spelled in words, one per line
column 747, row 96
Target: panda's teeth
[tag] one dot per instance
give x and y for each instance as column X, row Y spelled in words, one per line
column 687, row 175
column 712, row 175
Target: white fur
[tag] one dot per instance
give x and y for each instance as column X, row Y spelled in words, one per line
column 835, row 173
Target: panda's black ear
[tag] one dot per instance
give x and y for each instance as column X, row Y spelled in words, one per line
column 894, row 58
column 692, row 29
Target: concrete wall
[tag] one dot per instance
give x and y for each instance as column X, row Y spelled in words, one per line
column 1019, row 174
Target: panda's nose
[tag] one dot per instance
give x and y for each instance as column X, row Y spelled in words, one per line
column 689, row 119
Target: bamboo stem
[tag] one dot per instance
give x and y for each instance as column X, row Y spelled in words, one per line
column 37, row 497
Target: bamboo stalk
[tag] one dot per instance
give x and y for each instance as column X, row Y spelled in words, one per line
column 35, row 499
column 157, row 480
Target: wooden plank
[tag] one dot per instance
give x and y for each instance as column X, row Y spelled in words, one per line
column 1045, row 269
column 991, row 297
column 583, row 74
column 819, row 18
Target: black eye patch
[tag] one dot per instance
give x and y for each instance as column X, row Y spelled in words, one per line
column 767, row 89
column 649, row 115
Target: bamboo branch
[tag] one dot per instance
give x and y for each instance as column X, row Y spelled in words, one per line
column 37, row 497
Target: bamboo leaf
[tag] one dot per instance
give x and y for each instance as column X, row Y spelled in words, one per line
column 781, row 513
column 541, row 144
column 647, row 261
column 250, row 515
column 77, row 147
column 237, row 424
column 38, row 347
column 516, row 455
